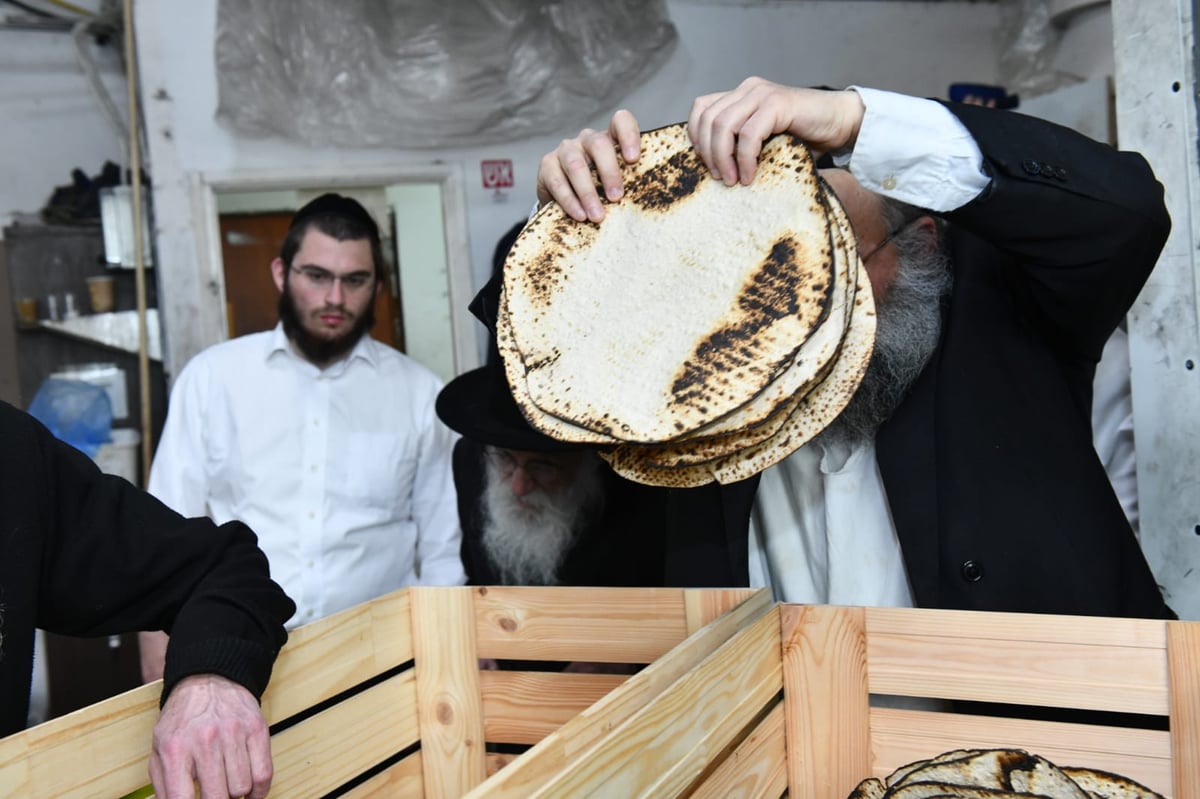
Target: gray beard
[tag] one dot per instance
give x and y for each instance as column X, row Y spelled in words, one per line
column 908, row 327
column 527, row 546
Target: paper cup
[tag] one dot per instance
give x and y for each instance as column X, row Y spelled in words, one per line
column 100, row 290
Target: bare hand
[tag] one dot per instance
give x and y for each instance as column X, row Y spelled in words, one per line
column 211, row 731
column 729, row 128
column 565, row 174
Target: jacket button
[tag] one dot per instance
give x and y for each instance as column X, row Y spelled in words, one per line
column 1047, row 171
column 972, row 571
column 1032, row 167
column 1060, row 173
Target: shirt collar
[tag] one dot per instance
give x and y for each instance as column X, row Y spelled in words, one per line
column 364, row 349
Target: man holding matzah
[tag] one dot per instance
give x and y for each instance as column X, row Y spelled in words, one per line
column 868, row 384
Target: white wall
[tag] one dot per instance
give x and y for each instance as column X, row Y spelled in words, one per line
column 52, row 122
column 886, row 44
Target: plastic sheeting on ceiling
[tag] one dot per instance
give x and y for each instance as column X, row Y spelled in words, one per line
column 430, row 73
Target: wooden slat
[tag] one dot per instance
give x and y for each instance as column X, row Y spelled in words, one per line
column 401, row 781
column 449, row 705
column 756, row 769
column 498, row 760
column 100, row 750
column 1121, row 679
column 1183, row 652
column 523, row 707
column 612, row 625
column 1019, row 658
column 329, row 749
column 702, row 605
column 527, row 773
column 992, row 626
column 905, row 736
column 338, row 652
column 665, row 746
column 826, row 700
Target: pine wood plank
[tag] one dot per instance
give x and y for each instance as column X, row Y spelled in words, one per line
column 661, row 749
column 702, row 605
column 497, row 761
column 448, row 701
column 101, row 749
column 523, row 707
column 401, row 781
column 826, row 700
column 1029, row 627
column 609, row 625
column 756, row 769
column 521, row 778
column 1183, row 654
column 1117, row 678
column 904, row 736
column 327, row 750
column 338, row 652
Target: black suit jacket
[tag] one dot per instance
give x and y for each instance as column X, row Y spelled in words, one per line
column 998, row 497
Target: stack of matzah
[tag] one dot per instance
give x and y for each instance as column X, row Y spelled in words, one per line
column 998, row 774
column 700, row 332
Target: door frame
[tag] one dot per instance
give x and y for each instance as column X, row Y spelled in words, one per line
column 447, row 176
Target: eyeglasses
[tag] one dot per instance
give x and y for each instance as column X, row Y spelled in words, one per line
column 540, row 471
column 888, row 239
column 323, row 279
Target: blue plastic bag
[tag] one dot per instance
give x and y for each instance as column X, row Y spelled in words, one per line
column 76, row 412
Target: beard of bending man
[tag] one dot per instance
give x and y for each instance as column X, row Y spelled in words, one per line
column 528, row 539
column 908, row 327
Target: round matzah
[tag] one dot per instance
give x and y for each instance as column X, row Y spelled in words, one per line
column 513, row 368
column 652, row 323
column 812, row 414
column 745, row 426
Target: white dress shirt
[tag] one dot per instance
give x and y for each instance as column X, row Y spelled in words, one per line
column 821, row 530
column 344, row 473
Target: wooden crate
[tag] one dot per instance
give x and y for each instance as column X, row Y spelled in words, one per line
column 743, row 698
column 386, row 699
column 784, row 706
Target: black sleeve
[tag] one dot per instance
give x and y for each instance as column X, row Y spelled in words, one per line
column 115, row 559
column 1082, row 220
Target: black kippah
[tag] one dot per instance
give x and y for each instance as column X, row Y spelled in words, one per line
column 339, row 206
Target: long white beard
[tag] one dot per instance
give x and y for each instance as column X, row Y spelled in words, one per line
column 528, row 543
column 908, row 327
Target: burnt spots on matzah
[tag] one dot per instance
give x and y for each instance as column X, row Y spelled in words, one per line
column 541, row 277
column 771, row 292
column 778, row 289
column 660, row 187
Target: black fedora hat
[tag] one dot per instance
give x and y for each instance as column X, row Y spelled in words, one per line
column 479, row 405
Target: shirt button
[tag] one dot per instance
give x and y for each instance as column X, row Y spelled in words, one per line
column 889, row 183
column 313, row 468
column 312, row 515
column 972, row 571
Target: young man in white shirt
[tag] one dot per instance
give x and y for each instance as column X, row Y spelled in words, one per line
column 321, row 438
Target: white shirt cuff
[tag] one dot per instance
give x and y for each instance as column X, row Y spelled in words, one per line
column 916, row 151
